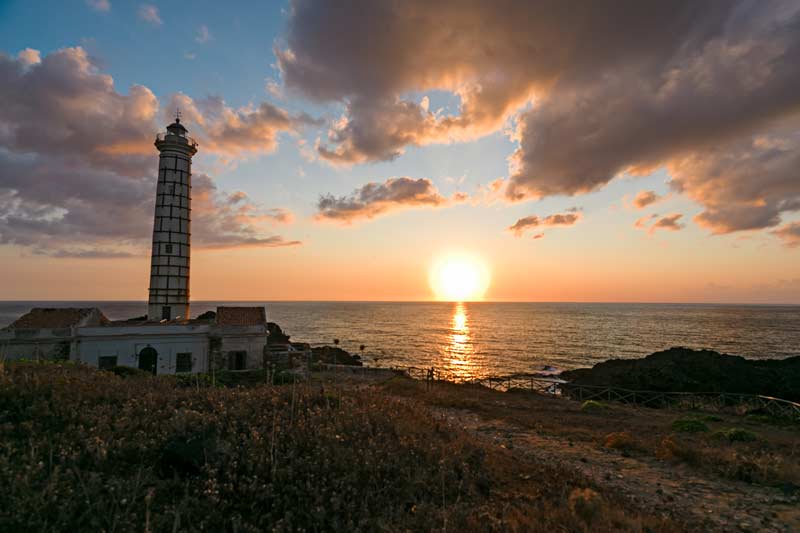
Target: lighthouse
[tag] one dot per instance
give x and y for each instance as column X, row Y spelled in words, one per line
column 169, row 265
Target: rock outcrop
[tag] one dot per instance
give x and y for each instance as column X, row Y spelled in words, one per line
column 276, row 334
column 687, row 370
column 334, row 355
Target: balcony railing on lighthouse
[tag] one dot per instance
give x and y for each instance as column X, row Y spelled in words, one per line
column 163, row 136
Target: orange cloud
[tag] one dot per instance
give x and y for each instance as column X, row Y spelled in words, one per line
column 234, row 132
column 645, row 198
column 533, row 221
column 790, row 233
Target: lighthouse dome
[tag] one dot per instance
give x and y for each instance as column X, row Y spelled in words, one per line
column 176, row 128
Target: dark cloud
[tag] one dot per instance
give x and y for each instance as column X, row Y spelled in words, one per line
column 623, row 87
column 375, row 199
column 790, row 233
column 743, row 185
column 533, row 221
column 494, row 56
column 645, row 198
column 77, row 165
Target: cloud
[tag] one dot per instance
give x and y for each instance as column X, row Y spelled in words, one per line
column 790, row 233
column 745, row 184
column 29, row 57
column 99, row 5
column 149, row 13
column 533, row 221
column 375, row 199
column 682, row 84
column 669, row 222
column 233, row 132
column 228, row 220
column 89, row 254
column 203, row 35
column 642, row 222
column 519, row 227
column 645, row 198
column 77, row 166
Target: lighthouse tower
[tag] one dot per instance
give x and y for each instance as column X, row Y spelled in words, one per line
column 169, row 265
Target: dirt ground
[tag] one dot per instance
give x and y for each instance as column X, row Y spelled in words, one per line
column 696, row 478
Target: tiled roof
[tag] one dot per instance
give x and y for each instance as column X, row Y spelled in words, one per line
column 241, row 316
column 54, row 318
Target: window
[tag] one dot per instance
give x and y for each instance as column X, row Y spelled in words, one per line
column 168, row 249
column 106, row 362
column 183, row 362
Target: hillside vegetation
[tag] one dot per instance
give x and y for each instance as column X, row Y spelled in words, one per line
column 88, row 450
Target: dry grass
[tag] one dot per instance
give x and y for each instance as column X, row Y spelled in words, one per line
column 87, row 450
column 772, row 459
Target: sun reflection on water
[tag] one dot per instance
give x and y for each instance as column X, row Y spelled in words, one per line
column 460, row 349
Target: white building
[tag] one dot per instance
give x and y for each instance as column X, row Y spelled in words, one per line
column 166, row 341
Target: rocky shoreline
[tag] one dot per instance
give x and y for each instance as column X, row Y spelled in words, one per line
column 685, row 370
column 319, row 354
column 677, row 369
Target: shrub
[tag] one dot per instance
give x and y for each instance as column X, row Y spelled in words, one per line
column 736, row 435
column 671, row 449
column 130, row 372
column 620, row 440
column 586, row 504
column 689, row 425
column 590, row 406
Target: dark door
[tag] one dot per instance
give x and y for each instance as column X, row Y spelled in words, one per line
column 148, row 358
column 237, row 360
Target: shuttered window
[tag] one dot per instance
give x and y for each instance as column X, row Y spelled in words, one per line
column 183, row 362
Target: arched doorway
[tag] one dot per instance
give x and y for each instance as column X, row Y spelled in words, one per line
column 148, row 359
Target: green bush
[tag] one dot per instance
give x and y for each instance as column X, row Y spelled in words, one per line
column 689, row 425
column 736, row 435
column 593, row 405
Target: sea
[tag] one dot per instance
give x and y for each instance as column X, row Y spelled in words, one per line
column 484, row 339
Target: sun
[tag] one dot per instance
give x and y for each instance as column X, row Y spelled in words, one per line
column 459, row 278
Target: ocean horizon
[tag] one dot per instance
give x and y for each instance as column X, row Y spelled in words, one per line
column 476, row 339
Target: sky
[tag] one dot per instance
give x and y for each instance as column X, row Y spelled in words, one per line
column 633, row 151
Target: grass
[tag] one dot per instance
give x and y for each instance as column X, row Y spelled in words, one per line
column 774, row 459
column 689, row 425
column 736, row 435
column 593, row 406
column 82, row 449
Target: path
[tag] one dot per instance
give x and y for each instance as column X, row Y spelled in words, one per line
column 675, row 490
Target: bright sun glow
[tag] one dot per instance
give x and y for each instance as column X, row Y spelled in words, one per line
column 459, row 278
